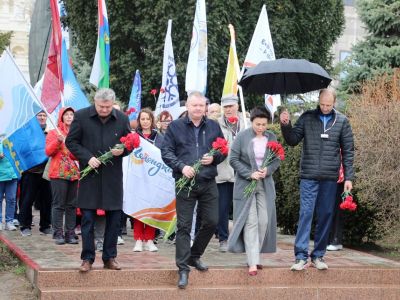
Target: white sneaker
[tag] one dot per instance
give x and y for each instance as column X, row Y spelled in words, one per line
column 334, row 247
column 10, row 226
column 138, row 246
column 319, row 263
column 299, row 265
column 149, row 246
column 1, row 226
column 120, row 240
column 16, row 223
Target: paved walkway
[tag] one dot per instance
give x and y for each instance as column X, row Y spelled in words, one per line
column 40, row 252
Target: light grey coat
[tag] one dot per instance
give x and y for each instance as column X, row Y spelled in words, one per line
column 242, row 160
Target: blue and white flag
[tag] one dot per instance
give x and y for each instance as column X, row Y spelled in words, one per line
column 135, row 100
column 72, row 95
column 168, row 98
column 20, row 132
column 196, row 69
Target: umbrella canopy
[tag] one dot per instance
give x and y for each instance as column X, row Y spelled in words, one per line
column 285, row 76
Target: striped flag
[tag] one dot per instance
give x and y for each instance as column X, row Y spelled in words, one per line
column 52, row 82
column 260, row 49
column 232, row 69
column 196, row 69
column 135, row 98
column 168, row 98
column 100, row 76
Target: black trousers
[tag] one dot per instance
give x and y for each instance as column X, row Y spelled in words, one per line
column 113, row 221
column 34, row 188
column 206, row 195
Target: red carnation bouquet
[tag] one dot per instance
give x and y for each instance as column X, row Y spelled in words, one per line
column 348, row 202
column 233, row 120
column 219, row 145
column 275, row 151
column 129, row 142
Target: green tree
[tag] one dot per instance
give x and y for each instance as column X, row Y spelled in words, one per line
column 300, row 29
column 4, row 40
column 379, row 53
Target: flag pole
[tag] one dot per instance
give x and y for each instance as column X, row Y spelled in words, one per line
column 242, row 105
column 32, row 92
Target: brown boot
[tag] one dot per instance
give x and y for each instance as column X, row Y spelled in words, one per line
column 85, row 266
column 111, row 264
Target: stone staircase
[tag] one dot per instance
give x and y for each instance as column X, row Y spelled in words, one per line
column 270, row 283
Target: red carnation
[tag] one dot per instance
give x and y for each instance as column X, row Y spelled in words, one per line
column 233, row 120
column 129, row 111
column 348, row 202
column 162, row 90
column 221, row 145
column 153, row 92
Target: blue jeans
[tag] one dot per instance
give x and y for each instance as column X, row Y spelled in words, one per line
column 318, row 195
column 225, row 191
column 9, row 189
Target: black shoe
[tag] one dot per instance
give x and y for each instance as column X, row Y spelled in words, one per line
column 183, row 279
column 59, row 238
column 198, row 264
column 70, row 238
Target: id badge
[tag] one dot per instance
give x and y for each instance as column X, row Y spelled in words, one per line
column 324, row 135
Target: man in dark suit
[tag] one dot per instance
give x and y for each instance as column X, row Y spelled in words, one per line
column 97, row 129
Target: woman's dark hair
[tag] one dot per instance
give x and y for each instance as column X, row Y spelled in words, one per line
column 150, row 113
column 260, row 112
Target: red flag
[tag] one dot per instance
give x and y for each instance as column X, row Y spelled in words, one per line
column 53, row 83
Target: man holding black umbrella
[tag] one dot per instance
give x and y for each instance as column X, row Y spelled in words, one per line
column 324, row 131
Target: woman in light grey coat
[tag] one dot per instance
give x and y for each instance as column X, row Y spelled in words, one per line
column 254, row 229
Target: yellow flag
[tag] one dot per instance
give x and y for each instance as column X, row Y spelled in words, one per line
column 232, row 70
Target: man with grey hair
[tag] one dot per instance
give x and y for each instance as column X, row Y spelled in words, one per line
column 95, row 130
column 186, row 141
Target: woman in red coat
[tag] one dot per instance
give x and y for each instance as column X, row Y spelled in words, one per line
column 64, row 175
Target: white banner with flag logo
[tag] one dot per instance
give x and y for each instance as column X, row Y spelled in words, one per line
column 169, row 94
column 261, row 48
column 149, row 188
column 196, row 69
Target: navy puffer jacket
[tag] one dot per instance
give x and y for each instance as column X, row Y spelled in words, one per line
column 320, row 159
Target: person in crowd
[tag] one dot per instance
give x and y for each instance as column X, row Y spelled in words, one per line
column 164, row 119
column 254, row 229
column 8, row 191
column 214, row 111
column 336, row 233
column 35, row 188
column 324, row 132
column 97, row 129
column 145, row 234
column 231, row 124
column 187, row 140
column 64, row 175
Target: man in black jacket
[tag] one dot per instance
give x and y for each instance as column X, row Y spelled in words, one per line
column 97, row 129
column 324, row 132
column 187, row 140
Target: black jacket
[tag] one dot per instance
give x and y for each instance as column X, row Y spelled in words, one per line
column 89, row 137
column 320, row 158
column 181, row 147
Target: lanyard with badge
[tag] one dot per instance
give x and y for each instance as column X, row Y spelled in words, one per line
column 325, row 135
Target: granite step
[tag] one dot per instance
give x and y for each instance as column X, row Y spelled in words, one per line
column 46, row 279
column 223, row 292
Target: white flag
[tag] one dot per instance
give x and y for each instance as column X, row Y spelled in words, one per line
column 260, row 49
column 196, row 70
column 168, row 98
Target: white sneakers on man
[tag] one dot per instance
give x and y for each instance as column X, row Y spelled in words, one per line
column 319, row 263
column 299, row 265
column 334, row 247
column 10, row 226
column 120, row 240
column 149, row 246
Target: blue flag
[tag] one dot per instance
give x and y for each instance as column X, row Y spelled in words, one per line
column 20, row 133
column 135, row 98
column 72, row 95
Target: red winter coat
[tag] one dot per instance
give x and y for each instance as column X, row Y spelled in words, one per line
column 62, row 164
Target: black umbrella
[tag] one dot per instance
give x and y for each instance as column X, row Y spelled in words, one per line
column 284, row 76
